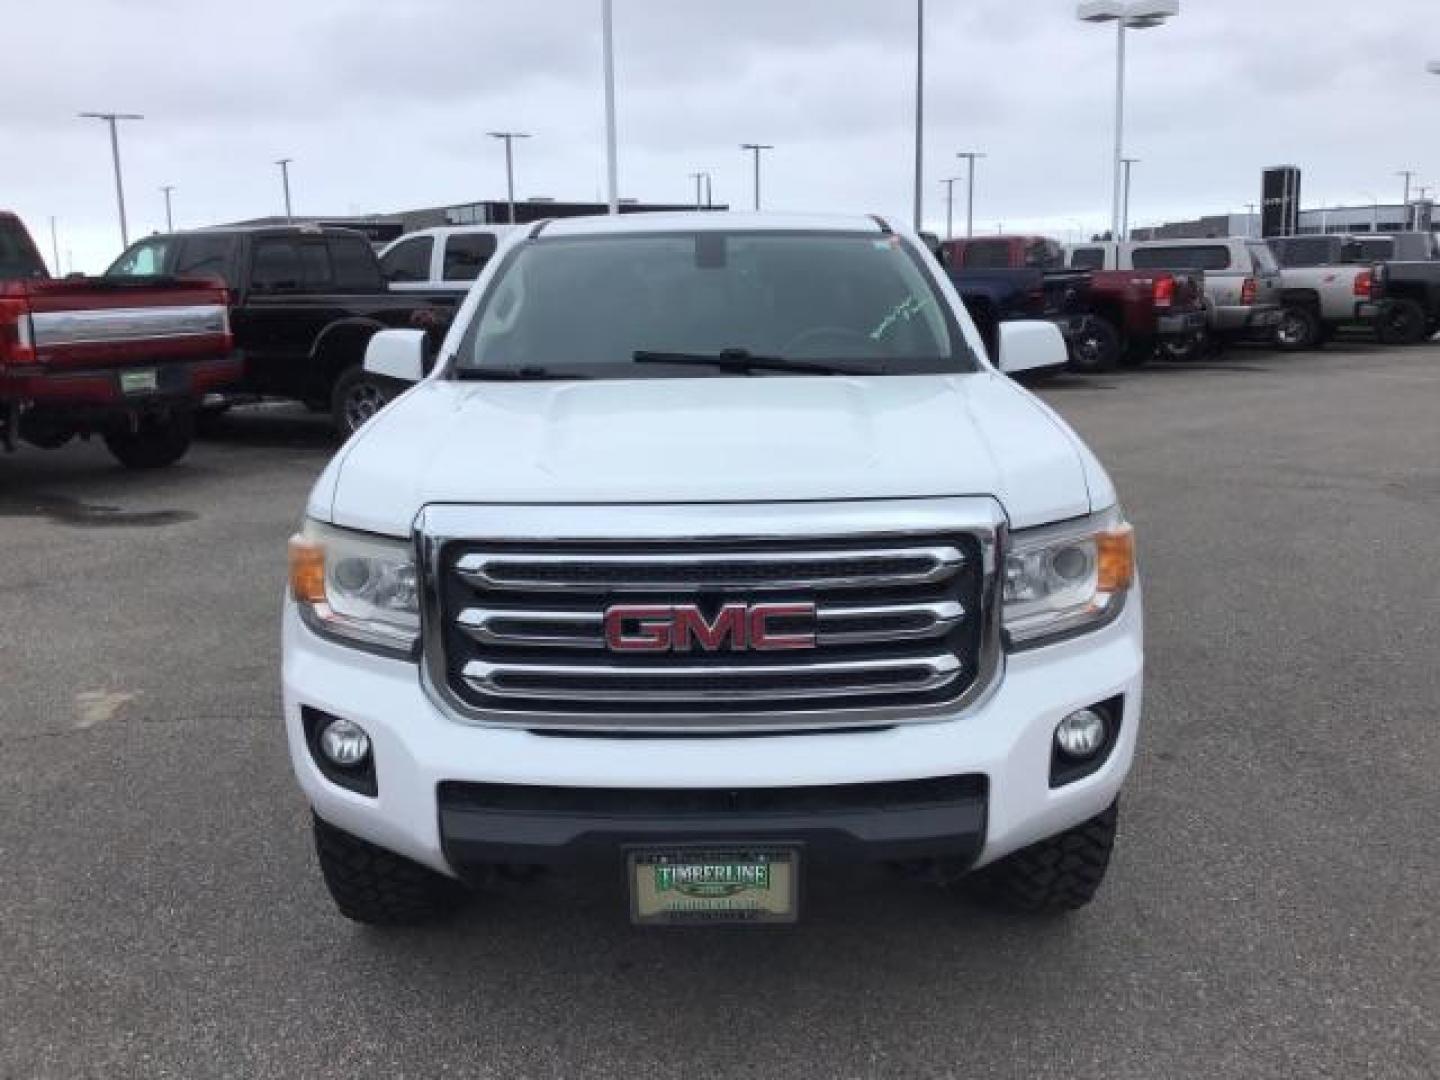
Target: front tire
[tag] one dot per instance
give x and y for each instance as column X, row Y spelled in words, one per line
column 377, row 887
column 1299, row 329
column 357, row 397
column 155, row 441
column 1401, row 323
column 1059, row 874
column 1096, row 348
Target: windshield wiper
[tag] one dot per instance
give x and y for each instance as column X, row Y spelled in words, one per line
column 520, row 374
column 744, row 361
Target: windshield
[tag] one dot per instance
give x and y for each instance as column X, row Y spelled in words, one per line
column 145, row 259
column 642, row 305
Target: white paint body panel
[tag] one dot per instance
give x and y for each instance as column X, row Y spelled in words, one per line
column 711, row 440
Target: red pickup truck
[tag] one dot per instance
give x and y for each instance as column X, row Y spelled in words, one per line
column 126, row 361
column 1131, row 314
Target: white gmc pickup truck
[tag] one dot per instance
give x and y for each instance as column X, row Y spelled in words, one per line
column 711, row 546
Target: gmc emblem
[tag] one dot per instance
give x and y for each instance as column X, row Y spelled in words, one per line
column 683, row 628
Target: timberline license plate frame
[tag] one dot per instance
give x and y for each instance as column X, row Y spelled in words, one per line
column 779, row 903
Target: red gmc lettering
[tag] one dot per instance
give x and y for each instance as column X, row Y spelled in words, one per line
column 684, row 627
column 691, row 627
column 762, row 639
column 652, row 628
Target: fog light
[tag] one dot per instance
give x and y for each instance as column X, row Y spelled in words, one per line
column 344, row 743
column 1081, row 734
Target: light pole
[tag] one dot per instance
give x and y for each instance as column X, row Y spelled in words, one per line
column 1131, row 15
column 111, row 118
column 607, row 22
column 1407, row 174
column 756, row 148
column 919, row 110
column 55, row 245
column 1249, row 218
column 509, row 137
column 970, row 156
column 1125, row 204
column 1374, row 210
column 284, row 164
column 701, row 179
column 949, row 183
column 169, row 221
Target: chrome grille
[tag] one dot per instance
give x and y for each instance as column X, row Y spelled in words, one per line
column 718, row 570
column 847, row 625
column 903, row 627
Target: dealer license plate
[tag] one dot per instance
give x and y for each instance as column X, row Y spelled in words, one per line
column 144, row 381
column 707, row 885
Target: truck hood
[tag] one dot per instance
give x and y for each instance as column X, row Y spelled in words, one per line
column 761, row 439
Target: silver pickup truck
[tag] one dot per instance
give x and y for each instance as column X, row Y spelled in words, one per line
column 1324, row 286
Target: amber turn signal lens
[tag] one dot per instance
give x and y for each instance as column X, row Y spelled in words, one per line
column 1115, row 555
column 307, row 570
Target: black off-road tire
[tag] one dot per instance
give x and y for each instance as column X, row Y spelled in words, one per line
column 1056, row 875
column 1401, row 323
column 1096, row 348
column 356, row 397
column 1299, row 328
column 156, row 441
column 379, row 888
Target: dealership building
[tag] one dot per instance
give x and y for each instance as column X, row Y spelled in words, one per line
column 1281, row 215
column 1374, row 217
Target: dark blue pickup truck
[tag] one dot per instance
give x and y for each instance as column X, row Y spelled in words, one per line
column 999, row 283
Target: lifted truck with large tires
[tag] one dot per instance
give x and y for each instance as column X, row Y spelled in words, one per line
column 305, row 300
column 127, row 361
column 713, row 546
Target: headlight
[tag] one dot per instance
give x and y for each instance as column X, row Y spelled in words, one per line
column 1063, row 579
column 356, row 588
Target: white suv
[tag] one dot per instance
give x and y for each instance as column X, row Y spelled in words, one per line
column 713, row 545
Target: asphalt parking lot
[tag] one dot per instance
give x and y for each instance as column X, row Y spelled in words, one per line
column 1271, row 913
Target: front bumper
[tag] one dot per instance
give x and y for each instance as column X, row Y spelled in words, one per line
column 940, row 817
column 1002, row 743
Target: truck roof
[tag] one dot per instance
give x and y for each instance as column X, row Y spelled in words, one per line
column 262, row 230
column 711, row 221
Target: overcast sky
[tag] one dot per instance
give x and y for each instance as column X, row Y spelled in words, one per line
column 384, row 105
